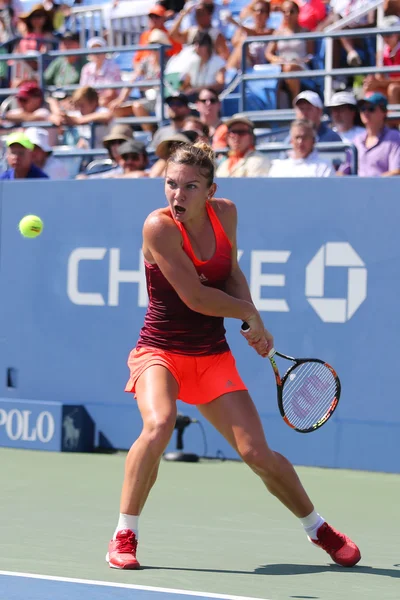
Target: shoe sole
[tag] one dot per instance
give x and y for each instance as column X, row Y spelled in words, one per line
column 130, row 568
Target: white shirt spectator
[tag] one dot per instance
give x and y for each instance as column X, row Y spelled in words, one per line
column 349, row 135
column 84, row 131
column 312, row 166
column 205, row 75
column 55, row 168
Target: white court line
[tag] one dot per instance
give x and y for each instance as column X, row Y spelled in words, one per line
column 128, row 586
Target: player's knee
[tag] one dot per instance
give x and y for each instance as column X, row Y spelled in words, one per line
column 159, row 428
column 261, row 460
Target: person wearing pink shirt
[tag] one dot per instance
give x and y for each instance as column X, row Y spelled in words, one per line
column 100, row 70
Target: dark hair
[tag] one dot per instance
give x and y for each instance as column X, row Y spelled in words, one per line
column 208, row 7
column 199, row 155
column 203, row 39
column 294, row 5
column 199, row 123
column 210, row 90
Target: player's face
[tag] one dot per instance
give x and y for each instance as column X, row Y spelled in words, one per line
column 187, row 191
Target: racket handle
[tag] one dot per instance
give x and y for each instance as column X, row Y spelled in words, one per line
column 245, row 328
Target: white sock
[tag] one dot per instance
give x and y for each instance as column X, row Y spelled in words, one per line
column 127, row 522
column 312, row 523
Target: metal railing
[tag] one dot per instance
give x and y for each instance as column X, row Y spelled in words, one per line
column 311, row 74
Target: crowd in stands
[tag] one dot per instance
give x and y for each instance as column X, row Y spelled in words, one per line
column 204, row 42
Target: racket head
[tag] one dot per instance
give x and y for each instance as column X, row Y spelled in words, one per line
column 309, row 394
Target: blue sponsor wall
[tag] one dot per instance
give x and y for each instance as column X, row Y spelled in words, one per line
column 322, row 259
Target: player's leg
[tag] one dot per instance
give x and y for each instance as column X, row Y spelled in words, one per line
column 156, row 393
column 235, row 416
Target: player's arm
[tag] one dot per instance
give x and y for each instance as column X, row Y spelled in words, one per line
column 163, row 240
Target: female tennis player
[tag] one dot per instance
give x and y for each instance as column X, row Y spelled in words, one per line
column 193, row 282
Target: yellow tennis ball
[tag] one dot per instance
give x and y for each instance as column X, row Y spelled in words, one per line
column 31, row 226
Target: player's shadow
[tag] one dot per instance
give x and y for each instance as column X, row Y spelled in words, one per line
column 295, row 569
column 292, row 569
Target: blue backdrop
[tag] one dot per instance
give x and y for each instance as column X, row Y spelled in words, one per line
column 322, row 261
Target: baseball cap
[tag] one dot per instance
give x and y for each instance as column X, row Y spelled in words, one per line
column 39, row 137
column 158, row 10
column 239, row 119
column 375, row 98
column 131, row 146
column 342, row 98
column 19, row 138
column 311, row 97
column 182, row 97
column 70, row 35
column 29, row 89
column 96, row 41
column 163, row 149
column 118, row 132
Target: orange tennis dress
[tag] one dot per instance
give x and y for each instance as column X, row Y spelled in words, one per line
column 190, row 345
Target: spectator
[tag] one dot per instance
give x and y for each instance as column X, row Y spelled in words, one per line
column 203, row 12
column 259, row 10
column 353, row 47
column 312, row 12
column 209, row 109
column 133, row 159
column 379, row 147
column 148, row 68
column 389, row 84
column 157, row 14
column 291, row 53
column 345, row 116
column 117, row 136
column 19, row 159
column 31, row 107
column 42, row 154
column 178, row 110
column 304, row 160
column 164, row 150
column 65, row 70
column 243, row 160
column 38, row 29
column 7, row 14
column 197, row 129
column 87, row 111
column 100, row 70
column 308, row 105
column 205, row 69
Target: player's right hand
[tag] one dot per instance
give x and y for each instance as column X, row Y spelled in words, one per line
column 257, row 336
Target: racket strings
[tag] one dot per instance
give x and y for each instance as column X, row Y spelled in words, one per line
column 308, row 394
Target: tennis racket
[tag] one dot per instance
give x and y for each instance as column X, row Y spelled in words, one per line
column 308, row 393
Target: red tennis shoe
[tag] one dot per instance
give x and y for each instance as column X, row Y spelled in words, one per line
column 340, row 548
column 122, row 551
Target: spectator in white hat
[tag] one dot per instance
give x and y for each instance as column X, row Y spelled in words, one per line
column 42, row 154
column 100, row 70
column 308, row 105
column 303, row 160
column 345, row 116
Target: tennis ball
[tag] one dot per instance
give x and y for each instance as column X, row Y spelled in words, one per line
column 31, row 226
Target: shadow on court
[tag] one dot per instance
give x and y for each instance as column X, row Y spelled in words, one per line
column 290, row 569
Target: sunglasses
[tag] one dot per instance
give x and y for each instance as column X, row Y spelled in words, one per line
column 292, row 11
column 130, row 156
column 208, row 100
column 368, row 108
column 239, row 132
column 151, row 16
column 261, row 11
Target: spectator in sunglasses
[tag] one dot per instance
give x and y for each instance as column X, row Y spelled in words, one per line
column 203, row 14
column 259, row 11
column 133, row 159
column 243, row 159
column 198, row 130
column 208, row 106
column 378, row 148
column 177, row 111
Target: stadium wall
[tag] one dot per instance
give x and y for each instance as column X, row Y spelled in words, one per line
column 322, row 259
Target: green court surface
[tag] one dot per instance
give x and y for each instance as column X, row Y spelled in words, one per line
column 209, row 527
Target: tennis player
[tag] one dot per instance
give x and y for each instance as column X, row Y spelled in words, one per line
column 193, row 282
